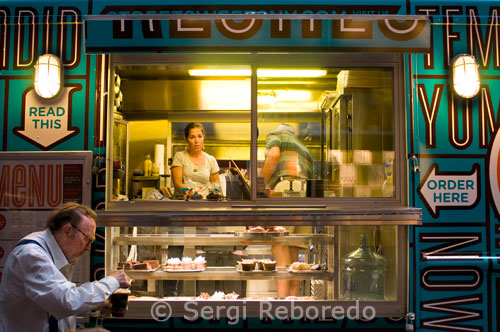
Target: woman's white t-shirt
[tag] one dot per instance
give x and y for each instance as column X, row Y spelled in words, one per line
column 196, row 177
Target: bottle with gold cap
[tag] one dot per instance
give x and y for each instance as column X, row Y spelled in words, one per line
column 148, row 165
column 388, row 185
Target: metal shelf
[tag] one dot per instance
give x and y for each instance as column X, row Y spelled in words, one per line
column 221, row 273
column 220, row 239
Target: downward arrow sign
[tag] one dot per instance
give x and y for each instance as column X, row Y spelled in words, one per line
column 449, row 190
column 47, row 123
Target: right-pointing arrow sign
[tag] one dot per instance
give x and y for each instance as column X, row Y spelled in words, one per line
column 449, row 190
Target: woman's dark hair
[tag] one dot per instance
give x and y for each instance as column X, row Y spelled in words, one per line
column 191, row 126
column 70, row 213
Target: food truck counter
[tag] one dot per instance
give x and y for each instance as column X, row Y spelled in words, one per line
column 184, row 258
column 158, row 214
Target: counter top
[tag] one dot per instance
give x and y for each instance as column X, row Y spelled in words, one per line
column 240, row 214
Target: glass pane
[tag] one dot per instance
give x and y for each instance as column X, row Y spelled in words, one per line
column 325, row 132
column 344, row 263
column 120, row 130
column 229, row 260
column 368, row 257
column 160, row 102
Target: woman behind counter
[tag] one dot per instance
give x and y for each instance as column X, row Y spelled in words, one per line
column 194, row 168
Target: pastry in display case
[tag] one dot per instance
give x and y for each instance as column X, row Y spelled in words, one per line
column 254, row 262
column 331, row 264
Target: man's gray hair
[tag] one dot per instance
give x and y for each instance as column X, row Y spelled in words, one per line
column 70, row 213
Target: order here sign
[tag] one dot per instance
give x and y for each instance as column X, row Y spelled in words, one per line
column 449, row 190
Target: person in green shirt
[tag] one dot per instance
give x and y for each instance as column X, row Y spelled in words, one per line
column 287, row 161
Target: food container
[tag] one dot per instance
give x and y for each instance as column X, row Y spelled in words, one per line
column 200, row 265
column 269, row 266
column 247, row 266
column 187, row 265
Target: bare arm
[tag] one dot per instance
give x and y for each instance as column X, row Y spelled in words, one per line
column 177, row 177
column 272, row 158
column 214, row 177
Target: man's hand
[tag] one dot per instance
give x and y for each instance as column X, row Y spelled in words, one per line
column 122, row 278
column 105, row 304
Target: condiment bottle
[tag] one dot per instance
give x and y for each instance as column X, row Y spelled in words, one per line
column 155, row 171
column 388, row 185
column 148, row 165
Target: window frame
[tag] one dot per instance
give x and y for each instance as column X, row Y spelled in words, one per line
column 394, row 61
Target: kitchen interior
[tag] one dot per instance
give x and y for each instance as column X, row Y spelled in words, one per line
column 344, row 116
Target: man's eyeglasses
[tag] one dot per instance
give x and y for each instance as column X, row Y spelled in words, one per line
column 89, row 239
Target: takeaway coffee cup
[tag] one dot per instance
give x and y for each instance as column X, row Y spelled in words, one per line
column 119, row 302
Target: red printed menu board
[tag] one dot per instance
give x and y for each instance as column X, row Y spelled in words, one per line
column 34, row 183
column 44, row 180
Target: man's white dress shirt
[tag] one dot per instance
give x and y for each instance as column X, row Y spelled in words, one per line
column 33, row 287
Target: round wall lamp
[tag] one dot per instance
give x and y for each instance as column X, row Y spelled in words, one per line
column 465, row 76
column 48, row 76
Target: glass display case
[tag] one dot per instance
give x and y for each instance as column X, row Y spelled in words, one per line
column 335, row 263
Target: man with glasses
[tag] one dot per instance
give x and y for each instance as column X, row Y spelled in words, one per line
column 35, row 291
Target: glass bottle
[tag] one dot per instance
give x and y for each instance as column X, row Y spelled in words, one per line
column 148, row 165
column 363, row 274
column 388, row 185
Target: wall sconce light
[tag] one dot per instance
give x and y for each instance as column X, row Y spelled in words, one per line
column 48, row 76
column 465, row 76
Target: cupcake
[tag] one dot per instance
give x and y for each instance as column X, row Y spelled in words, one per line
column 173, row 263
column 247, row 265
column 200, row 263
column 231, row 296
column 187, row 263
column 269, row 265
column 217, row 296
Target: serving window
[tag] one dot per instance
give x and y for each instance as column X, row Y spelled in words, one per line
column 326, row 132
column 277, row 128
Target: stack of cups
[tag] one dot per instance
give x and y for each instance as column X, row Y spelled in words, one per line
column 160, row 158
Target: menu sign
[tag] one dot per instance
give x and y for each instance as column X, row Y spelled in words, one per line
column 72, row 182
column 32, row 184
column 44, row 180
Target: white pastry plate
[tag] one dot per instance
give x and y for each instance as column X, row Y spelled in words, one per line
column 181, row 271
column 257, row 271
column 144, row 270
column 261, row 234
